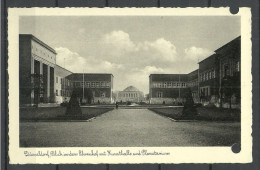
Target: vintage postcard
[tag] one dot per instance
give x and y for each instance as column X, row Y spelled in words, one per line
column 129, row 85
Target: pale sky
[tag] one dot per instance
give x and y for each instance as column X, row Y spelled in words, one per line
column 132, row 48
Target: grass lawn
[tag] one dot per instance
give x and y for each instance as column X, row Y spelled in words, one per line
column 58, row 113
column 204, row 113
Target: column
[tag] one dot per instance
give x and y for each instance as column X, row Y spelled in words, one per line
column 41, row 67
column 48, row 82
column 32, row 72
column 52, row 96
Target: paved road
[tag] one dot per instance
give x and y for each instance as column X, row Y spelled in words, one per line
column 128, row 127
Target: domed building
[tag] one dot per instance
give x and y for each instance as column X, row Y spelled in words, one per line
column 130, row 94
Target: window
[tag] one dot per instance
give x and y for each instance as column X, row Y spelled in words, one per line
column 210, row 75
column 61, row 93
column 165, row 84
column 173, row 84
column 213, row 74
column 57, row 80
column 226, row 70
column 178, row 84
column 204, row 76
column 159, row 94
column 169, row 84
column 82, row 84
column 60, row 80
column 107, row 84
column 87, row 84
column 97, row 84
column 57, row 92
column 183, row 84
column 93, row 84
column 103, row 94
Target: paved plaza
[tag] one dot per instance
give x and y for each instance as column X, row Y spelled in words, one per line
column 126, row 128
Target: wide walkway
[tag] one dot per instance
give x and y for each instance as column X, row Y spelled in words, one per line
column 128, row 127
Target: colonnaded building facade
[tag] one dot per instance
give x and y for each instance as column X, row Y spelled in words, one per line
column 37, row 62
column 130, row 94
column 41, row 80
column 207, row 83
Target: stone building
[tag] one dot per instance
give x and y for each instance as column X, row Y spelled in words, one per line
column 130, row 94
column 222, row 66
column 37, row 61
column 100, row 85
column 229, row 57
column 63, row 86
column 167, row 88
column 209, row 79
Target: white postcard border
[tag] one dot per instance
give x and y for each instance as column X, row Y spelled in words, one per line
column 177, row 154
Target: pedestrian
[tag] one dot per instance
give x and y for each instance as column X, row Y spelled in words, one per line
column 116, row 105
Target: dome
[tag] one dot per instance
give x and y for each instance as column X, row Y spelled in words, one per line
column 131, row 88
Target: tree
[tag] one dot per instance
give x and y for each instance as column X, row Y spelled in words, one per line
column 88, row 95
column 37, row 87
column 73, row 107
column 230, row 86
column 189, row 110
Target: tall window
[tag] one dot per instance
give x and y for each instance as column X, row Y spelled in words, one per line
column 57, row 92
column 57, row 80
column 160, row 94
column 226, row 70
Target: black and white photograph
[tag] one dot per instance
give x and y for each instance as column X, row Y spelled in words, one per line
column 143, row 80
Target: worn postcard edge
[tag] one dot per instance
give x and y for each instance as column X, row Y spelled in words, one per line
column 177, row 154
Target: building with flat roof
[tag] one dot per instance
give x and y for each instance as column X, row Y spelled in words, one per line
column 209, row 78
column 130, row 94
column 100, row 85
column 37, row 61
column 167, row 88
column 63, row 86
column 229, row 56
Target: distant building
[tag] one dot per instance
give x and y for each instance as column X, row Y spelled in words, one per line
column 209, row 79
column 37, row 61
column 63, row 86
column 100, row 85
column 130, row 94
column 167, row 88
